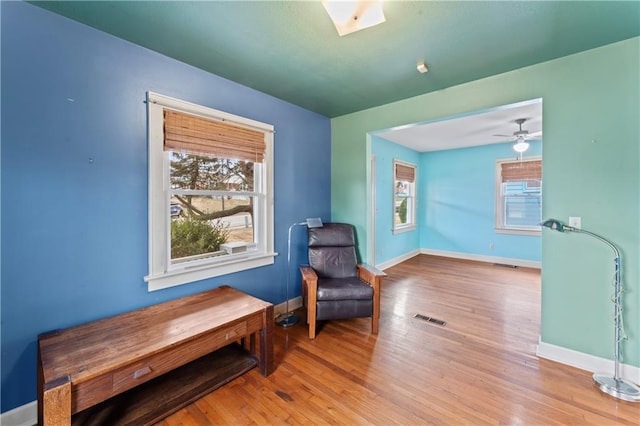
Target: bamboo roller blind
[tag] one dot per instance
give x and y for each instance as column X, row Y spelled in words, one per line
column 197, row 135
column 405, row 173
column 518, row 172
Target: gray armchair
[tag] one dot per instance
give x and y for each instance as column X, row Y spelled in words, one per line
column 334, row 286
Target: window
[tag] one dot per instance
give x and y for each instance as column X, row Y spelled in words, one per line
column 519, row 196
column 210, row 193
column 404, row 196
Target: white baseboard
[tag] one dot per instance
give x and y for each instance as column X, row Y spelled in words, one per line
column 25, row 415
column 294, row 304
column 587, row 362
column 396, row 260
column 482, row 258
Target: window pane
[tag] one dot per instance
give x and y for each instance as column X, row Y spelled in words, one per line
column 403, row 201
column 203, row 172
column 522, row 204
column 200, row 224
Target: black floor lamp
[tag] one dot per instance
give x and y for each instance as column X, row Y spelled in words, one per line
column 612, row 385
column 287, row 319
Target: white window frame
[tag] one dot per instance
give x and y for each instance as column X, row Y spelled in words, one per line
column 163, row 274
column 500, row 228
column 410, row 225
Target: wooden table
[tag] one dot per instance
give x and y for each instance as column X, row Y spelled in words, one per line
column 140, row 366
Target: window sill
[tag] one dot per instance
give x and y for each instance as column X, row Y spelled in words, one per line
column 515, row 231
column 195, row 273
column 403, row 229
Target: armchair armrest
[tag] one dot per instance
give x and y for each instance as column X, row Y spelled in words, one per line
column 373, row 276
column 369, row 273
column 308, row 274
column 309, row 285
column 309, row 293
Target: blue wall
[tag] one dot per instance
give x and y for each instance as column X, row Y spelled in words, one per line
column 388, row 245
column 457, row 212
column 74, row 231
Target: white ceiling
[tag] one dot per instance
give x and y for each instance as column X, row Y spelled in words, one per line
column 469, row 130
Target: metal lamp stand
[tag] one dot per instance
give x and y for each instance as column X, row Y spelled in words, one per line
column 615, row 386
column 612, row 385
column 287, row 319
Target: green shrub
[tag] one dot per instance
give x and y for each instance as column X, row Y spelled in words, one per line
column 191, row 236
column 402, row 211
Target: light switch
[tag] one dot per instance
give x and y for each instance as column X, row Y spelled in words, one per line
column 575, row 221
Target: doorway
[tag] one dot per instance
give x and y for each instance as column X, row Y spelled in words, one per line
column 456, row 188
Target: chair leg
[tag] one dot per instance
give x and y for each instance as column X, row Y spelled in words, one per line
column 375, row 318
column 311, row 320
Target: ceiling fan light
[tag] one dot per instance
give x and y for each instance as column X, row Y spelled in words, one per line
column 352, row 16
column 520, row 146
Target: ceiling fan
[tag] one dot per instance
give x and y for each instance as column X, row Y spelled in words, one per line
column 521, row 136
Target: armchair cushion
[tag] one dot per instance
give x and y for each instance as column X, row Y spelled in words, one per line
column 332, row 252
column 351, row 288
column 332, row 235
column 343, row 309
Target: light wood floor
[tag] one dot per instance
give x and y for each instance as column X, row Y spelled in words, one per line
column 480, row 368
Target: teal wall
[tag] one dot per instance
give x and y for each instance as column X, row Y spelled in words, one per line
column 591, row 163
column 458, row 189
column 388, row 245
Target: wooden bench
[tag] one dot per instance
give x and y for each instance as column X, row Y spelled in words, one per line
column 140, row 366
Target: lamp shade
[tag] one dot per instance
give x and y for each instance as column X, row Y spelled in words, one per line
column 521, row 145
column 554, row 224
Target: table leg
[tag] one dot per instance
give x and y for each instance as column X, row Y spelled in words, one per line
column 266, row 343
column 56, row 402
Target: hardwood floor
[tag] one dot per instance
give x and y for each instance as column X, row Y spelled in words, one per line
column 480, row 368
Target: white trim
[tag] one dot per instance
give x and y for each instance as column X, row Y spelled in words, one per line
column 183, row 276
column 482, row 258
column 372, row 208
column 499, row 200
column 206, row 112
column 411, row 226
column 396, row 260
column 585, row 361
column 294, row 304
column 516, row 231
column 24, row 415
column 401, row 229
column 162, row 273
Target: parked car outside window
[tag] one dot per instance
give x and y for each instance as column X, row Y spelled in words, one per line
column 176, row 209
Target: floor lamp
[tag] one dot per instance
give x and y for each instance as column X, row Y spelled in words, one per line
column 612, row 385
column 288, row 318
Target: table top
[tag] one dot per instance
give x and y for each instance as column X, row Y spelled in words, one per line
column 87, row 350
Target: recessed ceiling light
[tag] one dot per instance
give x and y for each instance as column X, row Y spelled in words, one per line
column 352, row 16
column 422, row 67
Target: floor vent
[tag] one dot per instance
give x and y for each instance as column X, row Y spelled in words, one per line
column 431, row 320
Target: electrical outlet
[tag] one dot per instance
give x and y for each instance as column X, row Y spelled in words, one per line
column 491, row 246
column 575, row 221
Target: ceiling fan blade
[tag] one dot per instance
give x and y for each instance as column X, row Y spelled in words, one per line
column 504, row 136
column 535, row 134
